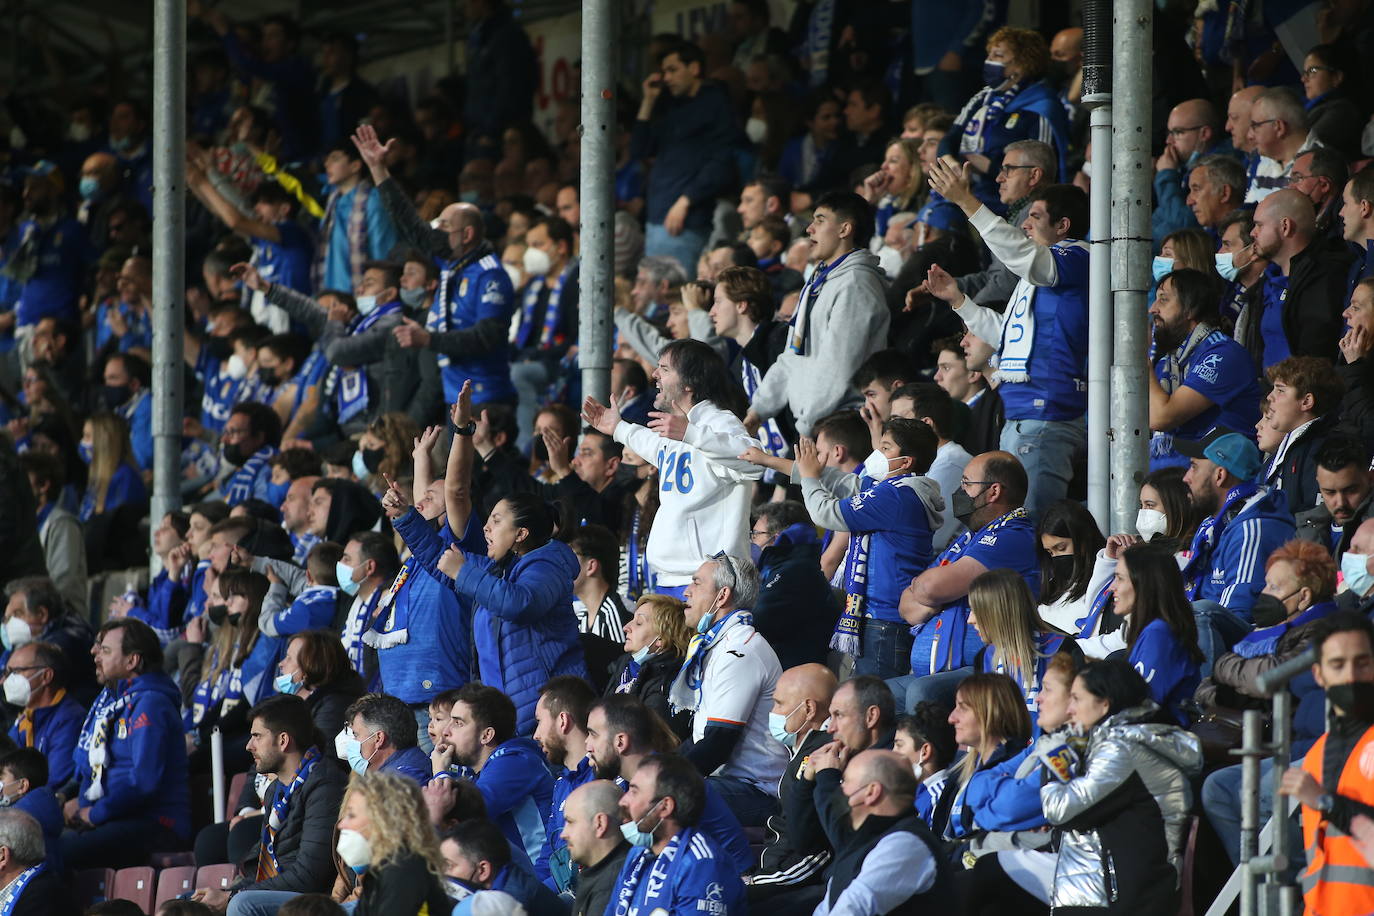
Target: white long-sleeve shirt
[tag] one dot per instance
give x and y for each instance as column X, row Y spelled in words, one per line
column 704, row 490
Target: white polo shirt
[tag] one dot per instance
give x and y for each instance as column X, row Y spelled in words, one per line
column 737, row 684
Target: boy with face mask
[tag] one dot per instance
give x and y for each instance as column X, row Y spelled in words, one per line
column 24, row 785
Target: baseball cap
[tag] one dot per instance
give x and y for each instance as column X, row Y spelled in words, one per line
column 1225, row 448
column 942, row 215
column 44, row 168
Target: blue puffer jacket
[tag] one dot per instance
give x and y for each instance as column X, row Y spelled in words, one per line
column 145, row 777
column 523, row 626
column 999, row 801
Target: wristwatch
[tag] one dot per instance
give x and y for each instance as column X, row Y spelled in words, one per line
column 1325, row 802
column 466, row 429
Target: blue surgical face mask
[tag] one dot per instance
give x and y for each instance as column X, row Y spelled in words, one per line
column 994, row 73
column 777, row 727
column 636, row 837
column 1161, row 267
column 285, row 685
column 705, row 622
column 641, row 654
column 1355, row 569
column 366, row 304
column 353, row 751
column 360, row 470
column 1226, row 265
column 413, row 298
column 88, row 187
column 276, row 493
column 86, row 452
column 344, row 573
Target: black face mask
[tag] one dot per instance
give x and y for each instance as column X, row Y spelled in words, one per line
column 114, row 395
column 963, row 507
column 1061, row 568
column 217, row 613
column 234, row 454
column 1059, row 72
column 1354, row 700
column 1268, row 611
column 372, row 458
column 268, row 377
column 541, row 451
column 221, row 348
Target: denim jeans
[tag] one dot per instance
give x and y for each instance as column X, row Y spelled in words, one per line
column 1045, row 449
column 751, row 805
column 685, row 246
column 1221, row 802
column 531, row 380
column 940, row 687
column 266, row 903
column 885, row 650
column 1218, row 629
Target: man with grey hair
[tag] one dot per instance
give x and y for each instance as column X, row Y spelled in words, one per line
column 1319, row 174
column 34, row 611
column 727, row 682
column 27, row 886
column 1304, row 290
column 1279, row 132
column 886, row 859
column 656, row 287
column 1193, row 133
column 1216, row 187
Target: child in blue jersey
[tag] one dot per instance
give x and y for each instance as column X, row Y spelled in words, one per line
column 312, row 592
column 926, row 739
column 890, row 512
column 1018, row 643
column 1202, row 377
column 1161, row 631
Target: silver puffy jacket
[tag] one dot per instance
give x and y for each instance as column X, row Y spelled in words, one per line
column 1165, row 756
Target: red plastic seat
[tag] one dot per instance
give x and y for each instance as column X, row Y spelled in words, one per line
column 216, row 876
column 137, row 884
column 173, row 882
column 94, row 885
column 231, row 799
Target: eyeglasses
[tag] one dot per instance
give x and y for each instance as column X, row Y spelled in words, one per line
column 755, row 535
column 1008, row 169
column 976, row 483
column 1180, row 131
column 1295, row 177
column 1257, row 124
column 1315, row 69
column 17, row 669
column 723, row 559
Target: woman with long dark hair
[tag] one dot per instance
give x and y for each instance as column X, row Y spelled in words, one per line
column 520, row 586
column 1161, row 631
column 1073, row 570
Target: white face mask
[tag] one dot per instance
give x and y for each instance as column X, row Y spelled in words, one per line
column 1150, row 522
column 890, row 260
column 17, row 633
column 517, row 276
column 756, row 129
column 537, row 262
column 876, row 465
column 78, row 132
column 237, row 368
column 355, row 850
column 18, row 690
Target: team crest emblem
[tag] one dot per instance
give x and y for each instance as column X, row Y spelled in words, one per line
column 463, row 287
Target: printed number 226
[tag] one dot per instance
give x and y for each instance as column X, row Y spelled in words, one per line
column 676, row 472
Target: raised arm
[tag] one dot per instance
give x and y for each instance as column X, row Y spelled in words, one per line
column 228, row 214
column 458, row 479
column 409, row 226
column 422, row 459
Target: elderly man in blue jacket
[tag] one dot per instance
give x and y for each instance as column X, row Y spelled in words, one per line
column 132, row 795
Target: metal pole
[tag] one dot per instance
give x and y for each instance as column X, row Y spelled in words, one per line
column 1097, row 96
column 169, row 254
column 596, row 195
column 1131, row 174
column 1251, row 750
column 217, row 772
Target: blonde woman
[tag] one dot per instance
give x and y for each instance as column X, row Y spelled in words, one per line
column 384, row 451
column 899, row 184
column 991, row 724
column 655, row 644
column 1018, row 643
column 385, row 838
column 113, row 479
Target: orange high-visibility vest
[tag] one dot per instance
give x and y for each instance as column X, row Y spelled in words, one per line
column 1338, row 880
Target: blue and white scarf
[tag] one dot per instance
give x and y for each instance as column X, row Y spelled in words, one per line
column 657, row 895
column 1209, row 533
column 801, row 319
column 16, row 887
column 553, row 311
column 686, row 690
column 638, row 576
column 97, row 747
column 1087, row 624
column 1018, row 334
column 351, row 391
column 240, row 486
column 1175, row 365
column 130, row 407
column 990, row 112
column 279, row 805
column 392, row 626
column 848, row 636
column 1266, row 641
column 356, row 627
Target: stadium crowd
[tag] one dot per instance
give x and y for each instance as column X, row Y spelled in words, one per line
column 810, row 616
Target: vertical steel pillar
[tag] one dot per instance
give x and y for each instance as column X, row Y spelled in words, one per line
column 596, row 194
column 1130, row 273
column 169, row 250
column 1097, row 96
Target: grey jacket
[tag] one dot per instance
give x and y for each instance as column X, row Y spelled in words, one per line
column 848, row 322
column 64, row 547
column 1107, row 850
column 647, row 340
column 823, row 496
